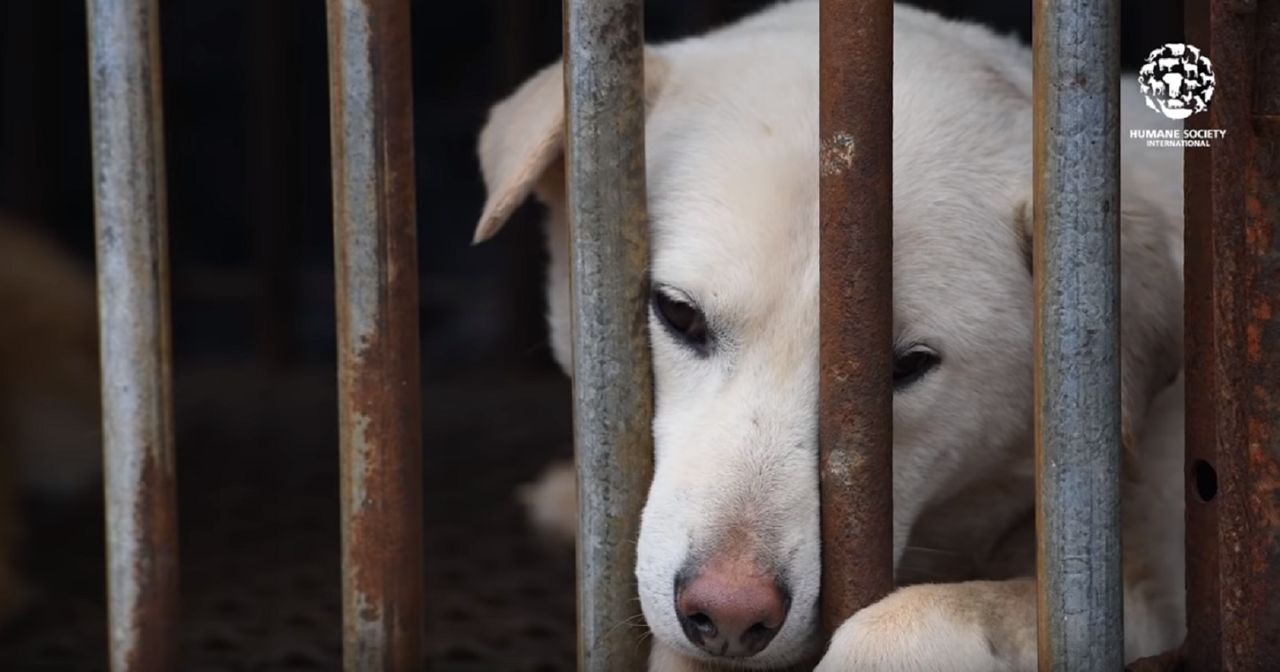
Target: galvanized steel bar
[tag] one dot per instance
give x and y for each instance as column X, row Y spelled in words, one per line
column 133, row 309
column 1233, row 343
column 612, row 382
column 375, row 247
column 856, row 312
column 1077, row 348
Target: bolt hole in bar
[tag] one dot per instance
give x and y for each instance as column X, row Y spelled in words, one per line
column 133, row 310
column 1205, row 480
column 612, row 381
column 856, row 305
column 375, row 247
column 1077, row 366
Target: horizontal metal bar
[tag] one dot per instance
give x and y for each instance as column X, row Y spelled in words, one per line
column 133, row 307
column 856, row 313
column 612, row 382
column 375, row 248
column 1077, row 372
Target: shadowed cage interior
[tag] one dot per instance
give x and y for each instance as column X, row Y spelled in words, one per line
column 259, row 545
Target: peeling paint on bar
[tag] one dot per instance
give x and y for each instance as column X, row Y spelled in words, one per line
column 1077, row 372
column 613, row 381
column 375, row 247
column 133, row 305
column 856, row 312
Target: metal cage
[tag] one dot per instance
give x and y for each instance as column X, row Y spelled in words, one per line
column 1232, row 329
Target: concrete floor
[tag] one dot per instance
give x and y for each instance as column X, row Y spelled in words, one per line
column 259, row 533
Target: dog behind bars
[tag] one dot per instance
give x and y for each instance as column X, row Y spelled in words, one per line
column 728, row 556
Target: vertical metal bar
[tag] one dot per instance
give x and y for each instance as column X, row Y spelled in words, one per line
column 856, row 312
column 1077, row 372
column 375, row 249
column 613, row 381
column 1233, row 343
column 133, row 308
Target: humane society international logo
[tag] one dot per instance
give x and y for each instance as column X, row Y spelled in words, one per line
column 1177, row 82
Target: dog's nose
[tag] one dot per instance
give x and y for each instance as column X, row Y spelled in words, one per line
column 730, row 612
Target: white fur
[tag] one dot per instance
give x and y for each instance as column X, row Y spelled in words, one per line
column 732, row 144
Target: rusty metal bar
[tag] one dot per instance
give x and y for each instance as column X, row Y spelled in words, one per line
column 1077, row 362
column 855, row 426
column 1233, row 343
column 133, row 309
column 375, row 248
column 612, row 381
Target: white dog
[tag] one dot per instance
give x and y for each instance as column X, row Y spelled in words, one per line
column 728, row 560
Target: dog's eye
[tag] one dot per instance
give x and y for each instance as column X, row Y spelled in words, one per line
column 910, row 366
column 682, row 318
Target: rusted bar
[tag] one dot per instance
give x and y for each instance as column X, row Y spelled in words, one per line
column 855, row 427
column 612, row 380
column 1077, row 353
column 1233, row 343
column 375, row 249
column 133, row 310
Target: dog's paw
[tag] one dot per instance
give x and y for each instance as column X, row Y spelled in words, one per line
column 927, row 628
column 551, row 502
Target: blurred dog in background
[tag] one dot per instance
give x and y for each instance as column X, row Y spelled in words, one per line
column 49, row 418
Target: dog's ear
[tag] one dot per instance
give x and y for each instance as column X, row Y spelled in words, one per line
column 522, row 139
column 1150, row 306
column 522, row 144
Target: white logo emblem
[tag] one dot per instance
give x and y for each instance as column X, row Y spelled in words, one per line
column 1177, row 81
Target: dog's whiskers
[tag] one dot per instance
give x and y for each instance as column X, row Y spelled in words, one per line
column 634, row 621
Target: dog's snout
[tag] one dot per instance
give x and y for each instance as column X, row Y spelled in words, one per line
column 731, row 610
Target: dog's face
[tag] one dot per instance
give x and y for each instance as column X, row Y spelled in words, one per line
column 734, row 332
column 729, row 550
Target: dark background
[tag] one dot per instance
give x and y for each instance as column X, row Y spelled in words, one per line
column 246, row 127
